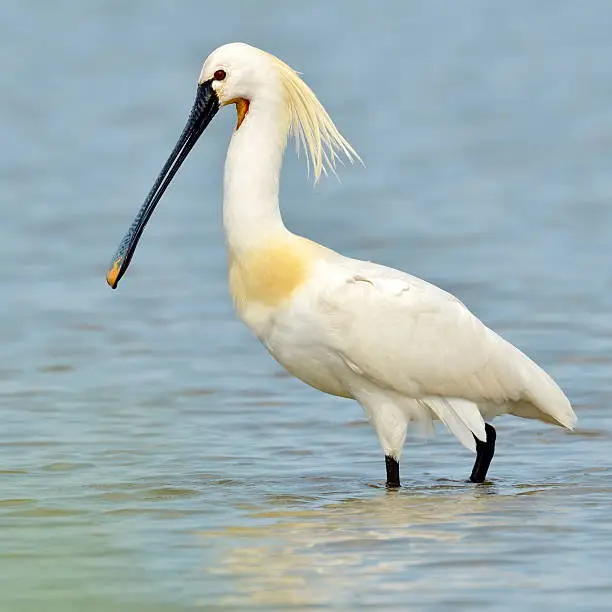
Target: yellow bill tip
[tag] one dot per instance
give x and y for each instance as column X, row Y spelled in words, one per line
column 112, row 276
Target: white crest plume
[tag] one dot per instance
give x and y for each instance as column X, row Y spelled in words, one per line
column 311, row 125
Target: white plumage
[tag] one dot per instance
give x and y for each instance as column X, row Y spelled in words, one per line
column 404, row 349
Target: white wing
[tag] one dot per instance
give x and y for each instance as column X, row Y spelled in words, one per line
column 415, row 339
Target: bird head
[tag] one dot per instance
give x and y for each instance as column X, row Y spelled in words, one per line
column 256, row 82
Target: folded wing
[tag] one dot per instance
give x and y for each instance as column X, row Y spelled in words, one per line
column 409, row 336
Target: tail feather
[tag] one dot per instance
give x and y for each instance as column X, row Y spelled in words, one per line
column 542, row 398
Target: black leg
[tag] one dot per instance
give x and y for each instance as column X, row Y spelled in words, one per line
column 392, row 472
column 484, row 454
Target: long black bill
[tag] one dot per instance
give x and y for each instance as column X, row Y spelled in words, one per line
column 204, row 109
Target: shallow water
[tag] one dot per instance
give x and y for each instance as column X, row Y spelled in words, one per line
column 152, row 456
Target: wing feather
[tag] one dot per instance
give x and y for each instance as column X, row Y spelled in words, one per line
column 412, row 337
column 462, row 418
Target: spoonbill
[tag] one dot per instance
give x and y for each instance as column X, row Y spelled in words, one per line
column 404, row 349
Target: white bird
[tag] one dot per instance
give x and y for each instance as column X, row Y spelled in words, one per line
column 404, row 349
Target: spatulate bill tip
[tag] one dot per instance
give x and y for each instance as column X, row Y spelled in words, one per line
column 113, row 273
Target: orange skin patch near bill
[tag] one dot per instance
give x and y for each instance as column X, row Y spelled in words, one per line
column 242, row 108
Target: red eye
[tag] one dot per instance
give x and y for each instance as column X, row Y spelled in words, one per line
column 219, row 75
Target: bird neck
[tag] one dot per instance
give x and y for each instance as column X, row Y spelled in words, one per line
column 251, row 214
